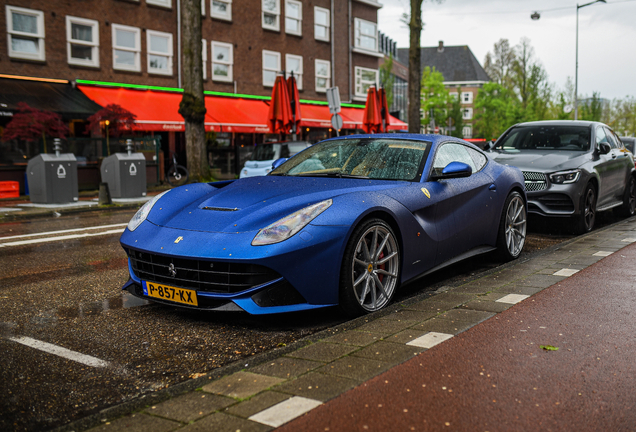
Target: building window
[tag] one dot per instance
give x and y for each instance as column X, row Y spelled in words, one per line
column 467, row 131
column 271, row 14
column 82, row 41
column 222, row 61
column 294, row 17
column 467, row 113
column 294, row 63
column 164, row 3
column 204, row 58
column 453, row 96
column 25, row 33
column 323, row 75
column 126, row 47
column 467, row 97
column 271, row 67
column 203, row 8
column 159, row 52
column 366, row 35
column 221, row 9
column 365, row 78
column 321, row 24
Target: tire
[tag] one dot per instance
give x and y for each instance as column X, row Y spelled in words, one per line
column 370, row 275
column 585, row 220
column 511, row 236
column 177, row 175
column 629, row 199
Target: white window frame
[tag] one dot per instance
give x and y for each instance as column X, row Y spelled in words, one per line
column 297, row 74
column 162, row 3
column 227, row 16
column 39, row 36
column 327, row 77
column 137, row 50
column 70, row 20
column 278, row 68
column 204, row 58
column 467, row 113
column 169, row 54
column 454, row 95
column 358, row 35
column 299, row 20
column 467, row 97
column 229, row 63
column 327, row 27
column 467, row 131
column 203, row 8
column 358, row 70
column 276, row 13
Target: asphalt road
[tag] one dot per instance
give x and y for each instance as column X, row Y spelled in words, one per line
column 66, row 292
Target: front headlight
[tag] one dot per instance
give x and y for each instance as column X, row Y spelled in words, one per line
column 143, row 212
column 289, row 225
column 565, row 177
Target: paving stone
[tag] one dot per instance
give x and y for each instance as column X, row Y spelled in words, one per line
column 257, row 404
column 386, row 327
column 467, row 316
column 190, row 406
column 221, row 422
column 322, row 352
column 487, row 306
column 442, row 302
column 474, row 288
column 356, row 338
column 357, row 368
column 388, row 352
column 581, row 260
column 540, row 281
column 430, row 339
column 285, row 367
column 514, row 289
column 406, row 336
column 444, row 326
column 138, row 423
column 411, row 315
column 285, row 411
column 241, row 384
column 318, row 386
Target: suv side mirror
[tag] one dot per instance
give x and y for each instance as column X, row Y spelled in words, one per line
column 604, row 148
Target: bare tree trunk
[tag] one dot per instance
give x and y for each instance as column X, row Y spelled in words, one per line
column 415, row 73
column 192, row 106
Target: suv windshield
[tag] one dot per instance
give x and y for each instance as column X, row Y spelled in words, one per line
column 551, row 137
column 386, row 159
column 266, row 152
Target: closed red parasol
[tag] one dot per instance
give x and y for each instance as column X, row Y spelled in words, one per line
column 279, row 118
column 294, row 101
column 372, row 122
column 384, row 110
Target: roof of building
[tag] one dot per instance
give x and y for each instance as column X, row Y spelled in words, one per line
column 456, row 63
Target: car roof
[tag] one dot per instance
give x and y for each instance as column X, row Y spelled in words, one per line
column 434, row 139
column 560, row 123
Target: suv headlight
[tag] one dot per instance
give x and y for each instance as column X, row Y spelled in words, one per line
column 565, row 177
column 143, row 212
column 289, row 225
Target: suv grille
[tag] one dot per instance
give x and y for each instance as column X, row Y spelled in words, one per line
column 557, row 202
column 535, row 181
column 207, row 276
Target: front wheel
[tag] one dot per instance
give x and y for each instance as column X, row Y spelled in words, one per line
column 629, row 199
column 370, row 268
column 587, row 216
column 177, row 175
column 512, row 227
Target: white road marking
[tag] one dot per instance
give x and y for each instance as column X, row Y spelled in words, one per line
column 565, row 272
column 512, row 298
column 629, row 240
column 59, row 351
column 63, row 231
column 429, row 340
column 603, row 253
column 285, row 411
column 66, row 237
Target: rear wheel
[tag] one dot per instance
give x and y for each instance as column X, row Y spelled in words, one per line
column 512, row 228
column 370, row 268
column 629, row 199
column 587, row 216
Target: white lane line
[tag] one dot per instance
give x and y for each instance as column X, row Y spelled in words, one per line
column 285, row 411
column 512, row 298
column 429, row 340
column 66, row 237
column 59, row 351
column 63, row 231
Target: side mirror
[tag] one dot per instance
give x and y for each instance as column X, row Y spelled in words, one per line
column 489, row 145
column 454, row 170
column 278, row 162
column 604, row 148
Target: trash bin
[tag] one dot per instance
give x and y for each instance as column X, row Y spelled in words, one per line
column 125, row 174
column 52, row 178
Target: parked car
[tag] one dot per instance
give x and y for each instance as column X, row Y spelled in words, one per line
column 571, row 169
column 630, row 144
column 345, row 222
column 260, row 163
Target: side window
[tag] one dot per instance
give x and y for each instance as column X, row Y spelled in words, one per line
column 479, row 159
column 452, row 152
column 600, row 136
column 614, row 142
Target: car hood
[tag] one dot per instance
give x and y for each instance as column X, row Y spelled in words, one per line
column 541, row 161
column 251, row 203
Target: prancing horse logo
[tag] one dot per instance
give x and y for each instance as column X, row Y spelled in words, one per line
column 172, row 270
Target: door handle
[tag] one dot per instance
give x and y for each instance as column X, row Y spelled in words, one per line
column 492, row 187
column 613, row 155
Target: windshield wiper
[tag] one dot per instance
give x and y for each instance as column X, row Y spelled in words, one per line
column 335, row 174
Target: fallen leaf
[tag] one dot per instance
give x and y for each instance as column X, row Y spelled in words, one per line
column 548, row 347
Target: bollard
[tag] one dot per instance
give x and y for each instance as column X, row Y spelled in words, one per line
column 104, row 194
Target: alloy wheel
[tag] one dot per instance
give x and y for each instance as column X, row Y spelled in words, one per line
column 515, row 226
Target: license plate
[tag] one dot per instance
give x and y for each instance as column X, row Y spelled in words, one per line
column 170, row 293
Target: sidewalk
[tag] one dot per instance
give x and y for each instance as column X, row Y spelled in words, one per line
column 469, row 358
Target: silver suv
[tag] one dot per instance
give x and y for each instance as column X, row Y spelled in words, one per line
column 571, row 169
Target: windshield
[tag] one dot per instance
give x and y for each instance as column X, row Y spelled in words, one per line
column 551, row 137
column 381, row 158
column 266, row 152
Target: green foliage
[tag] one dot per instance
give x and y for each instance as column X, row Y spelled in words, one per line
column 591, row 108
column 456, row 115
column 434, row 96
column 387, row 79
column 496, row 110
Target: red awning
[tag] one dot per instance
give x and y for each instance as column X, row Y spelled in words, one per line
column 319, row 116
column 226, row 114
column 353, row 117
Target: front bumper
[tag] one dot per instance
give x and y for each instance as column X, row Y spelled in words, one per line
column 554, row 200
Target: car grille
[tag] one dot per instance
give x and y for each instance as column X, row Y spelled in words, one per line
column 206, row 276
column 557, row 202
column 535, row 181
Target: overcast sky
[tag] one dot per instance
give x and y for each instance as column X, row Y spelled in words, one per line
column 607, row 36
